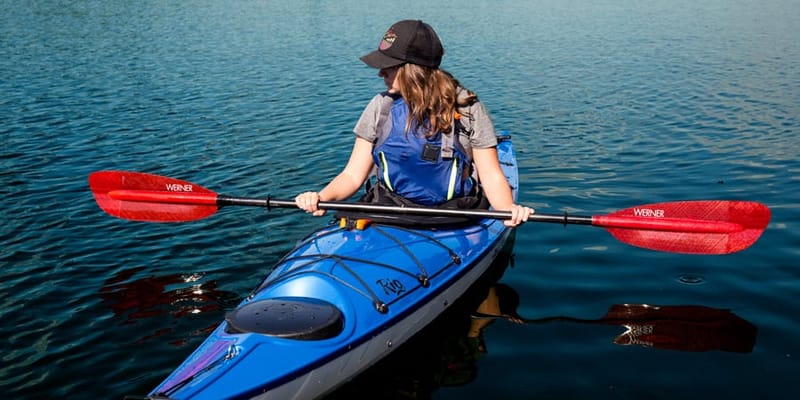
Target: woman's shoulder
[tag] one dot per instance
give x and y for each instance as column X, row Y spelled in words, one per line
column 469, row 104
column 466, row 98
column 381, row 101
column 374, row 114
column 475, row 120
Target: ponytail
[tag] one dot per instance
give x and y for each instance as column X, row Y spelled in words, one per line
column 432, row 95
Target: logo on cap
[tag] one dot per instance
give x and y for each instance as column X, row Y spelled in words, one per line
column 388, row 39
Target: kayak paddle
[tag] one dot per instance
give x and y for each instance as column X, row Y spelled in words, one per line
column 692, row 227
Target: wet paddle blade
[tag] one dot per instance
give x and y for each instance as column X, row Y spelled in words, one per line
column 691, row 227
column 108, row 185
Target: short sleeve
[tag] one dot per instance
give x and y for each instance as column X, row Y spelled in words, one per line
column 367, row 125
column 480, row 124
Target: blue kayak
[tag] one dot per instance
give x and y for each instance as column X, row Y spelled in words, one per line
column 340, row 301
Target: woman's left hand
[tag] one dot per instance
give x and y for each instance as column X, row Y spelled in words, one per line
column 519, row 215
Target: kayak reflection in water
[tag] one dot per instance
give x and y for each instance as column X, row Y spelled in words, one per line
column 445, row 354
column 153, row 296
column 501, row 302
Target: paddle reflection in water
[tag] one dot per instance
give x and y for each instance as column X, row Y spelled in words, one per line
column 679, row 327
column 685, row 328
column 178, row 295
column 448, row 351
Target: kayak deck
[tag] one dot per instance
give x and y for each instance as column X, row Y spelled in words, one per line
column 370, row 296
column 336, row 304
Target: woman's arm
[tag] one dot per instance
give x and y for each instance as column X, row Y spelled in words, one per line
column 346, row 183
column 495, row 185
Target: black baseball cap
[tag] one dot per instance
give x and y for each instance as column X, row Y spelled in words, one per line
column 407, row 41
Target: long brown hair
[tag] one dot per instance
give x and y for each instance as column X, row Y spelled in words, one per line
column 432, row 97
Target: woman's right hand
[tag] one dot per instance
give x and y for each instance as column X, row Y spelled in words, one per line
column 309, row 202
column 519, row 215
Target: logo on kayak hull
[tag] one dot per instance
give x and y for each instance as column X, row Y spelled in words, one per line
column 391, row 286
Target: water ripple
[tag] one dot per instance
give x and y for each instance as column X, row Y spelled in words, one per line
column 611, row 104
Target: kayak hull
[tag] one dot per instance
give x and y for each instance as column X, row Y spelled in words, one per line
column 342, row 300
column 324, row 379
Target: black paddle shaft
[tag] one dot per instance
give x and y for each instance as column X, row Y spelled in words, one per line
column 376, row 208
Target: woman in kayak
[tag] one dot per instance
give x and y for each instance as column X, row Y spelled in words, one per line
column 429, row 137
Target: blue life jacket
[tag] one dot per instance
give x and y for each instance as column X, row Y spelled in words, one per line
column 426, row 170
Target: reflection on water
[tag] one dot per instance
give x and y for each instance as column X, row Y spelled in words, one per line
column 447, row 353
column 177, row 295
column 680, row 327
column 684, row 328
column 609, row 102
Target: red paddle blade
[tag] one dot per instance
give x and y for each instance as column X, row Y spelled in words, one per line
column 135, row 196
column 692, row 227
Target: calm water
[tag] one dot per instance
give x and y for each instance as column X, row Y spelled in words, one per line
column 611, row 103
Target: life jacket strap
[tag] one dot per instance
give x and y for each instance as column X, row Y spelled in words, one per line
column 454, row 179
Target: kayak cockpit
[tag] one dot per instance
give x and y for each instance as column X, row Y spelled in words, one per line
column 302, row 318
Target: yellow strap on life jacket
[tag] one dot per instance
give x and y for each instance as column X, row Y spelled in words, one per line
column 454, row 178
column 386, row 179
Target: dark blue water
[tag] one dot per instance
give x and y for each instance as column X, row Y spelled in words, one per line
column 611, row 103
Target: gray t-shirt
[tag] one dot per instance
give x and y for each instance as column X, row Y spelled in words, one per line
column 480, row 133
